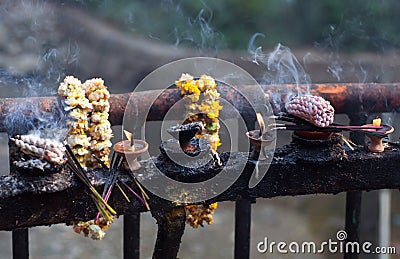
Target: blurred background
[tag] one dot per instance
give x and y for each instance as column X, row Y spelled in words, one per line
column 123, row 41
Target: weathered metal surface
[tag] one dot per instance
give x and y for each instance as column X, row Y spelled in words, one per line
column 346, row 98
column 171, row 225
column 295, row 170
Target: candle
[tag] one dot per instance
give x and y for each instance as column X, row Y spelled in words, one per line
column 262, row 124
column 377, row 122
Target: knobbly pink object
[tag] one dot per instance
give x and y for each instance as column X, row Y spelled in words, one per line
column 313, row 109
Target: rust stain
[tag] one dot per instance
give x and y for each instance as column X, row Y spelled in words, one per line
column 329, row 88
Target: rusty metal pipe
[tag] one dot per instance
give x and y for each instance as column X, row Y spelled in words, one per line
column 349, row 98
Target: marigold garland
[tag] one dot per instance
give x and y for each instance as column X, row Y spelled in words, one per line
column 100, row 128
column 89, row 133
column 78, row 108
column 89, row 129
column 202, row 105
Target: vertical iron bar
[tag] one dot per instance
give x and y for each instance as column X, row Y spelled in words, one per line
column 171, row 226
column 354, row 199
column 20, row 245
column 132, row 223
column 242, row 229
column 20, row 237
column 132, row 236
column 353, row 211
column 243, row 208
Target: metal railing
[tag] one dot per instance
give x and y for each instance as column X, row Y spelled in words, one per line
column 353, row 177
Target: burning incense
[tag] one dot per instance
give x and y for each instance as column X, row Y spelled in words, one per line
column 129, row 136
column 332, row 128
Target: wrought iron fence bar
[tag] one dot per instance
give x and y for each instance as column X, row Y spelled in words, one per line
column 288, row 175
column 132, row 236
column 243, row 206
column 131, row 229
column 20, row 243
column 354, row 198
column 353, row 211
column 242, row 229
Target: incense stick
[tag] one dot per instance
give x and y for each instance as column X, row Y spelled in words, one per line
column 332, row 128
column 123, row 193
column 73, row 164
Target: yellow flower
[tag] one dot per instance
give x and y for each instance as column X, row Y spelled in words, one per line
column 215, row 145
column 194, row 97
column 208, row 81
column 211, row 95
column 213, row 206
column 204, row 108
column 77, row 131
column 207, row 110
column 193, row 89
column 213, row 111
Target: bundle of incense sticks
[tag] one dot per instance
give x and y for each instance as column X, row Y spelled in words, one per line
column 332, row 128
column 73, row 164
column 112, row 180
column 302, row 125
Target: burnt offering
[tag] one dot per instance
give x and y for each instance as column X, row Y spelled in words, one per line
column 188, row 155
column 183, row 168
column 184, row 133
column 38, row 155
column 185, row 149
column 318, row 149
column 199, row 152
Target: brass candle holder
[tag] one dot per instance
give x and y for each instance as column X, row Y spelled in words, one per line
column 377, row 136
column 259, row 139
column 130, row 150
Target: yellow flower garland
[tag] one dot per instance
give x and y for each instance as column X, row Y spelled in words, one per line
column 89, row 129
column 89, row 133
column 203, row 105
column 78, row 108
